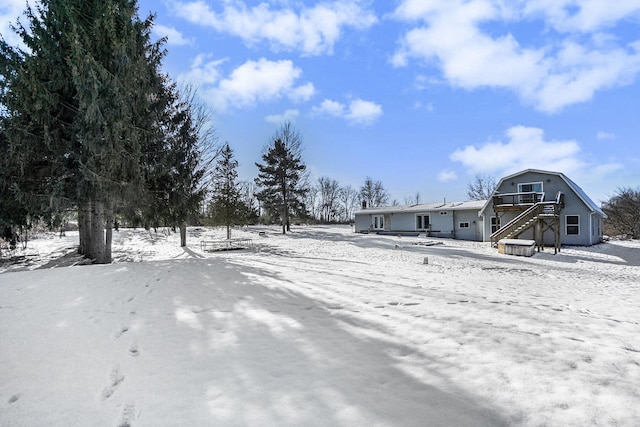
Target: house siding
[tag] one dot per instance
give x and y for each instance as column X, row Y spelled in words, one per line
column 574, row 205
column 404, row 221
column 474, row 231
column 445, row 219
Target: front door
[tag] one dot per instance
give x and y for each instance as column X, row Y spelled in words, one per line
column 378, row 222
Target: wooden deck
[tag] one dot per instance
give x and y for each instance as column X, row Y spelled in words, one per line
column 541, row 215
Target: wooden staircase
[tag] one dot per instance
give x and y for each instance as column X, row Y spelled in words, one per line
column 543, row 214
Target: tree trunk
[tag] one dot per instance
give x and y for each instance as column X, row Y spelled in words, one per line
column 284, row 221
column 97, row 232
column 108, row 222
column 84, row 228
column 228, row 232
column 183, row 234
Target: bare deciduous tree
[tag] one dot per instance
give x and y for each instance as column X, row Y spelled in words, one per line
column 623, row 212
column 329, row 192
column 414, row 200
column 482, row 187
column 373, row 193
column 349, row 200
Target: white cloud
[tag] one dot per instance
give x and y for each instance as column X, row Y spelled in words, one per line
column 550, row 76
column 605, row 135
column 428, row 107
column 174, row 37
column 311, row 30
column 357, row 112
column 202, row 71
column 363, row 112
column 525, row 148
column 330, row 108
column 249, row 84
column 447, row 176
column 587, row 16
column 287, row 116
column 302, row 93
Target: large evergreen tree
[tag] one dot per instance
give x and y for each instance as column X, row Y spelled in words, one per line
column 89, row 121
column 38, row 107
column 115, row 71
column 176, row 167
column 227, row 207
column 281, row 177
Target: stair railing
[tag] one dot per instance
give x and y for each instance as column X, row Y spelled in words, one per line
column 529, row 214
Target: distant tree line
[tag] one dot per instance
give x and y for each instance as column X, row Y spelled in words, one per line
column 90, row 124
column 623, row 213
column 282, row 192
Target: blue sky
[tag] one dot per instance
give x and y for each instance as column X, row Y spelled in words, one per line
column 419, row 94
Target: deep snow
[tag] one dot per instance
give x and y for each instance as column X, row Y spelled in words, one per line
column 320, row 327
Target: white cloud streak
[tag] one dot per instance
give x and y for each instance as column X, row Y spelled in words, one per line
column 453, row 36
column 447, row 176
column 605, row 135
column 287, row 116
column 309, row 30
column 357, row 112
column 174, row 37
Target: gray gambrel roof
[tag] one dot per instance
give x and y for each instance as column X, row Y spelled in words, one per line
column 575, row 187
column 429, row 207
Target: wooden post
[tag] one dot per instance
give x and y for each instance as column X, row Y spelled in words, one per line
column 557, row 234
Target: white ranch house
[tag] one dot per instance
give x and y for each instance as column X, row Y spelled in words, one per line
column 532, row 204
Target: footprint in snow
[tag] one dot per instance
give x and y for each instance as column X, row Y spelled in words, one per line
column 121, row 332
column 134, row 351
column 115, row 379
column 14, row 398
column 128, row 414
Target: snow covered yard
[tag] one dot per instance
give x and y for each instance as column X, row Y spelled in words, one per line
column 322, row 327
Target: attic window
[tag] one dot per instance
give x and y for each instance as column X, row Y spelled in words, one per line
column 443, row 212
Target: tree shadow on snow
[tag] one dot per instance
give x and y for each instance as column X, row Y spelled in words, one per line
column 273, row 356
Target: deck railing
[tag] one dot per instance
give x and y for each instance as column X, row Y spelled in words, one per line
column 517, row 199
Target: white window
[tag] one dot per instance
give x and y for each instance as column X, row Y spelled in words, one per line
column 378, row 222
column 529, row 187
column 463, row 225
column 572, row 224
column 422, row 222
column 495, row 224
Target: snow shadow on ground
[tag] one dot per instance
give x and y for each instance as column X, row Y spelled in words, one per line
column 206, row 342
column 283, row 358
